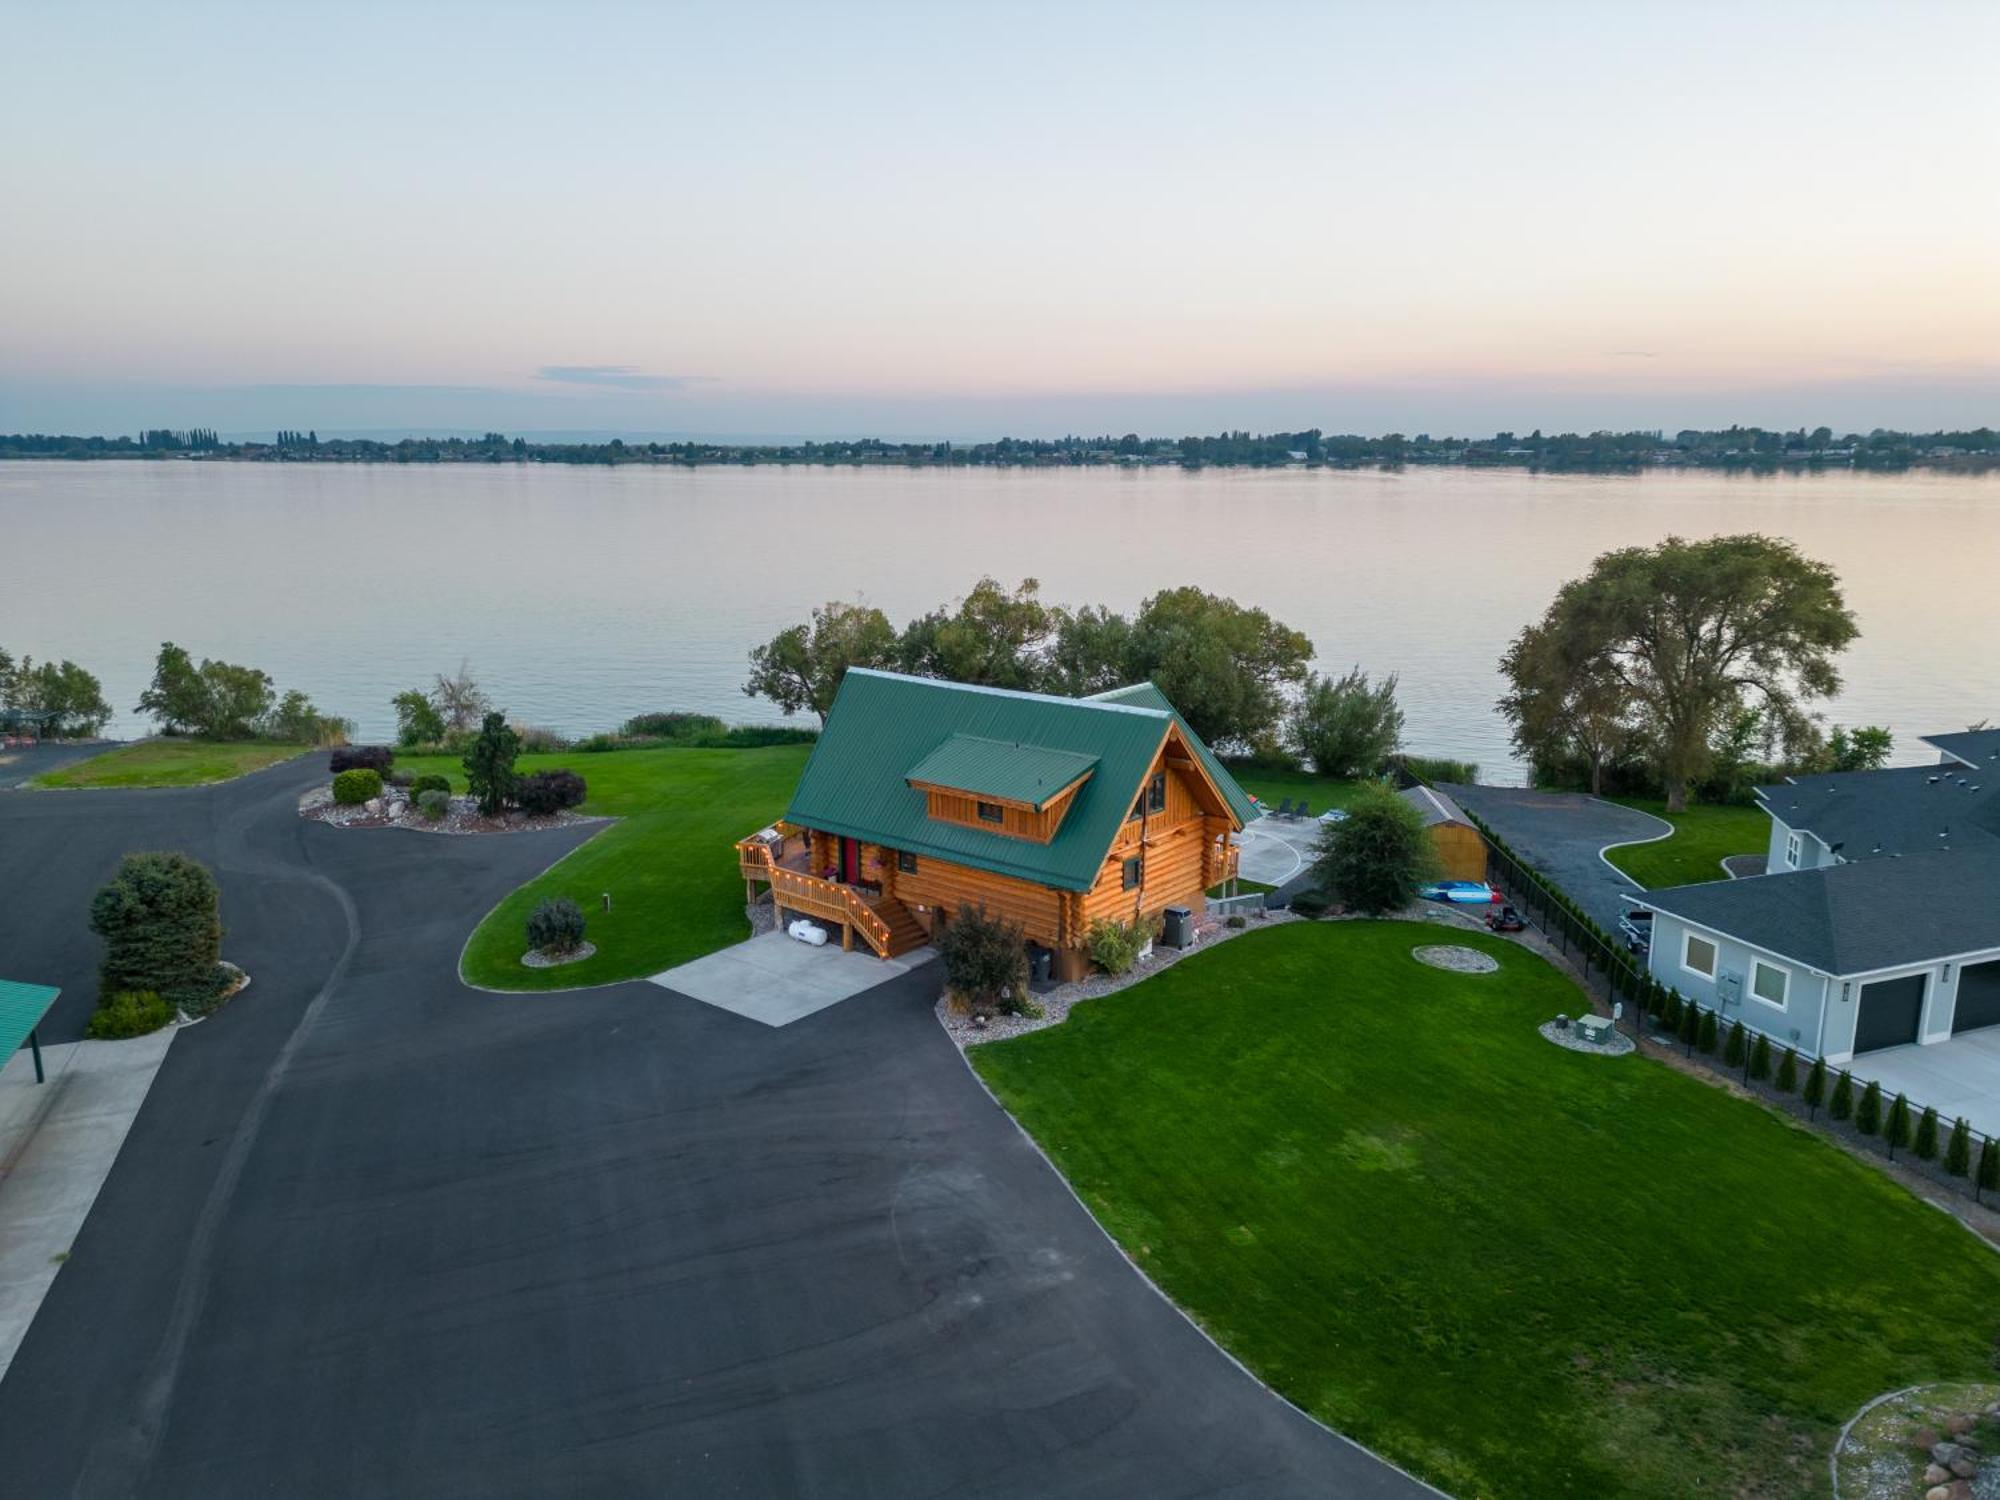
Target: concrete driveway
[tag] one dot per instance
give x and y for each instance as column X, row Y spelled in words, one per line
column 1561, row 835
column 776, row 979
column 374, row 1233
column 1958, row 1077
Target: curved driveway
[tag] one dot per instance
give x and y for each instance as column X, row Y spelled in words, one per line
column 374, row 1233
column 1561, row 835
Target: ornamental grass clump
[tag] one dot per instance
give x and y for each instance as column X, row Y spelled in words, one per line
column 556, row 927
column 433, row 804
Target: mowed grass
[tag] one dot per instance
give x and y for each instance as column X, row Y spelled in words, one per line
column 1273, row 787
column 1703, row 837
column 669, row 863
column 171, row 763
column 1515, row 1270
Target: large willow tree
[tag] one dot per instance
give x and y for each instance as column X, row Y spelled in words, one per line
column 1671, row 643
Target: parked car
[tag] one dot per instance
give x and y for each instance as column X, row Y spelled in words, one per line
column 1636, row 926
column 1461, row 892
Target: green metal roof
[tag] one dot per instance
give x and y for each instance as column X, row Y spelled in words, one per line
column 1002, row 768
column 22, row 1007
column 884, row 725
column 1145, row 695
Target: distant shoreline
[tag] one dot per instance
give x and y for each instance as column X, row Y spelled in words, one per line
column 1732, row 450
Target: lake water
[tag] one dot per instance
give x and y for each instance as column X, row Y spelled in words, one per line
column 582, row 595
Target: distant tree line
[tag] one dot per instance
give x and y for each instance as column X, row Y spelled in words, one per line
column 1754, row 449
column 58, row 698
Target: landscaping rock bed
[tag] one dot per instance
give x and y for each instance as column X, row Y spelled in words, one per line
column 393, row 809
column 1936, row 1442
column 534, row 958
column 1617, row 1044
column 1455, row 957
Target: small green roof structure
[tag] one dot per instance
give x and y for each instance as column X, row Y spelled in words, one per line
column 23, row 1007
column 1006, row 771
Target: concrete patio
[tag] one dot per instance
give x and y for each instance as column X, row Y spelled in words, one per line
column 1276, row 849
column 776, row 979
column 1958, row 1077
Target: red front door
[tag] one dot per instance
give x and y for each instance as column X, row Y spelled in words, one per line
column 850, row 861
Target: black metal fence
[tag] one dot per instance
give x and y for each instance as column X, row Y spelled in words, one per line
column 1658, row 1017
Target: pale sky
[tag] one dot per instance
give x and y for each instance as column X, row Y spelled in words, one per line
column 942, row 220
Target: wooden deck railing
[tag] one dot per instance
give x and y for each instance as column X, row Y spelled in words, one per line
column 809, row 896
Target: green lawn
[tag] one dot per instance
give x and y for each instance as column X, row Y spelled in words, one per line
column 1702, row 837
column 1322, row 792
column 171, row 763
column 669, row 863
column 1512, row 1269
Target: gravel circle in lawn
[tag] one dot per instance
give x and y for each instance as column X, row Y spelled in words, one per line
column 534, row 958
column 1460, row 960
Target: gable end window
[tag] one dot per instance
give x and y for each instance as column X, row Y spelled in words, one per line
column 1793, row 846
column 1154, row 798
column 1698, row 956
column 992, row 812
column 1132, row 873
column 906, row 862
column 1768, row 983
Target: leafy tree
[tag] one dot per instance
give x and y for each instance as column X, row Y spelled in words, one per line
column 459, row 700
column 1896, row 1128
column 1706, row 1040
column 236, row 699
column 985, row 961
column 1841, row 1107
column 1868, row 1113
column 1696, row 631
column 1958, row 1152
column 1814, row 1091
column 178, row 698
column 1565, row 699
column 160, row 918
column 72, row 695
column 7, row 678
column 1863, row 749
column 1091, row 652
column 294, row 721
column 1378, row 855
column 489, row 764
column 801, row 668
column 1345, row 727
column 1224, row 666
column 1760, row 1058
column 1927, row 1135
column 993, row 637
column 418, row 721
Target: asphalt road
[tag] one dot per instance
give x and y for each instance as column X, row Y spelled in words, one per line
column 374, row 1233
column 1560, row 834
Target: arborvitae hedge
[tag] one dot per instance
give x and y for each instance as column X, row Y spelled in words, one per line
column 1989, row 1166
column 1788, row 1073
column 1670, row 1012
column 1958, row 1154
column 1690, row 1027
column 1760, row 1057
column 1927, row 1135
column 1896, row 1129
column 1868, row 1113
column 1843, row 1096
column 1732, row 1047
column 1707, row 1039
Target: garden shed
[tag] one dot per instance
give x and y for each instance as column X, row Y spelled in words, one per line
column 1460, row 849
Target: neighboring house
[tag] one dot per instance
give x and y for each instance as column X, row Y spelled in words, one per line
column 1460, row 849
column 1877, row 922
column 923, row 798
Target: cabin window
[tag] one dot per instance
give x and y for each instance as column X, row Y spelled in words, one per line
column 992, row 812
column 1698, row 956
column 1132, row 873
column 1768, row 983
column 1793, row 846
column 906, row 862
column 1153, row 798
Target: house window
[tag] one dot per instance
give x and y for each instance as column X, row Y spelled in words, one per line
column 906, row 862
column 1793, row 845
column 1698, row 956
column 1768, row 983
column 1132, row 873
column 1153, row 798
column 992, row 812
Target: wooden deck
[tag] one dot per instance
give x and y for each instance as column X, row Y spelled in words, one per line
column 884, row 925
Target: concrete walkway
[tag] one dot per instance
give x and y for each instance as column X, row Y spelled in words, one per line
column 776, row 979
column 58, row 1140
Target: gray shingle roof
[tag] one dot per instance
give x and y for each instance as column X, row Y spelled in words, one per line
column 1854, row 918
column 1909, row 810
column 1434, row 806
column 1975, row 747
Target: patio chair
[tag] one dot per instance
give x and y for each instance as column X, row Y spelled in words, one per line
column 1304, row 810
column 1285, row 808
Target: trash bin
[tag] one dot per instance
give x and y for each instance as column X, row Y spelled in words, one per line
column 1041, row 964
column 1177, row 927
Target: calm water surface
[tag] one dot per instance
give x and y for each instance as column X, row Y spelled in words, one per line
column 582, row 595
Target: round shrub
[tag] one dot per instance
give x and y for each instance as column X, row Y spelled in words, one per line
column 542, row 793
column 352, row 788
column 374, row 758
column 556, row 926
column 430, row 781
column 128, row 1013
column 160, row 918
column 433, row 804
column 404, row 779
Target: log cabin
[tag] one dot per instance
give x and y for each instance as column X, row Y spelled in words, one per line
column 923, row 798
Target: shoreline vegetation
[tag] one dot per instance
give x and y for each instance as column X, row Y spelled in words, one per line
column 1733, row 449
